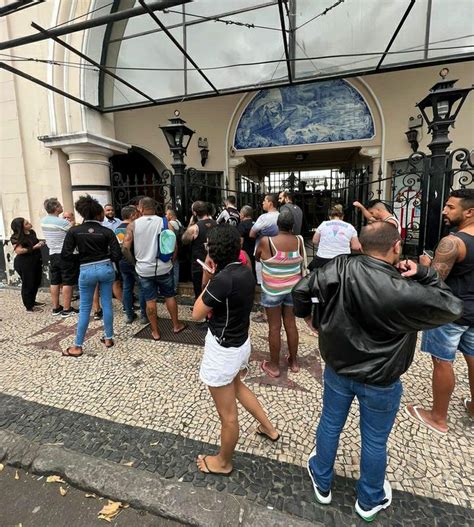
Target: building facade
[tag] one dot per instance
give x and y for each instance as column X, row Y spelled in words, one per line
column 51, row 145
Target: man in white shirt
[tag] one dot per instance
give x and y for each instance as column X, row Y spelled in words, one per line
column 156, row 276
column 61, row 272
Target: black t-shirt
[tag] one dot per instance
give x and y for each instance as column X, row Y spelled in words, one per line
column 248, row 245
column 28, row 242
column 197, row 245
column 230, row 294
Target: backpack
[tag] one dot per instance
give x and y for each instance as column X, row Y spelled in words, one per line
column 234, row 216
column 166, row 243
column 179, row 233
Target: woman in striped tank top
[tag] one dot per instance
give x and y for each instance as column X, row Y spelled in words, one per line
column 281, row 259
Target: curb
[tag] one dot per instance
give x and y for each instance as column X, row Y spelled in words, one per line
column 182, row 502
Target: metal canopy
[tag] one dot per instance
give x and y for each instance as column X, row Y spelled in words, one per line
column 175, row 50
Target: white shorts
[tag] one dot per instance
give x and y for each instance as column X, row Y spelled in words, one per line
column 220, row 365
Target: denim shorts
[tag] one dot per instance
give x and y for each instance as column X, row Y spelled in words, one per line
column 153, row 286
column 443, row 342
column 276, row 300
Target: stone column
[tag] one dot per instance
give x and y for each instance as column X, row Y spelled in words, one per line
column 88, row 160
column 90, row 171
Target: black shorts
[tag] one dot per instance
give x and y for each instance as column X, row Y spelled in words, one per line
column 65, row 272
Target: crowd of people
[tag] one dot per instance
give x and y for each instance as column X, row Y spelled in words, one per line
column 365, row 304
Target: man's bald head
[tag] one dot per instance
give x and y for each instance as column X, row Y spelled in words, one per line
column 379, row 238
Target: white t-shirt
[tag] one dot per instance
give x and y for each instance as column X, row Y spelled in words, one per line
column 145, row 244
column 335, row 238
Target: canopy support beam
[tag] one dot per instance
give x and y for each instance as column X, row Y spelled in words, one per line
column 93, row 22
column 93, row 62
column 26, row 76
column 178, row 45
column 394, row 36
column 285, row 42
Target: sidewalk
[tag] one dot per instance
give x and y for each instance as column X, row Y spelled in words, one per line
column 142, row 402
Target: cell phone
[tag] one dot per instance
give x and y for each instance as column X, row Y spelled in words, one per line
column 204, row 266
column 430, row 254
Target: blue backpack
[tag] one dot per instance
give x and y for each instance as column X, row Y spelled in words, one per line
column 166, row 243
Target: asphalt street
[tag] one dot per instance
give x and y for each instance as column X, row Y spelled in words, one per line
column 32, row 502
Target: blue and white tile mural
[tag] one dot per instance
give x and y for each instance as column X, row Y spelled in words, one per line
column 320, row 112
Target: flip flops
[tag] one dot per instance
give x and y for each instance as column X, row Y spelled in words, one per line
column 209, row 471
column 103, row 339
column 465, row 403
column 264, row 368
column 419, row 419
column 65, row 353
column 293, row 364
column 261, row 433
column 179, row 330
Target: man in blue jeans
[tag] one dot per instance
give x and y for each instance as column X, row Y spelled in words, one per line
column 370, row 307
column 127, row 270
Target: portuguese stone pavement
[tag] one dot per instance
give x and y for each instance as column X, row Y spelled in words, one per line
column 142, row 402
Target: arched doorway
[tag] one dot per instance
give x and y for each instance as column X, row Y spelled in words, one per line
column 320, row 141
column 138, row 173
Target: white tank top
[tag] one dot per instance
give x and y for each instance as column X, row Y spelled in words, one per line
column 145, row 242
column 395, row 219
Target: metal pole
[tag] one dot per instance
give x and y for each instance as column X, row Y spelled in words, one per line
column 91, row 61
column 93, row 22
column 178, row 182
column 438, row 188
column 13, row 70
column 285, row 42
column 394, row 36
column 178, row 45
column 292, row 36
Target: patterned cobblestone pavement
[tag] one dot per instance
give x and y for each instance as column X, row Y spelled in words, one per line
column 142, row 401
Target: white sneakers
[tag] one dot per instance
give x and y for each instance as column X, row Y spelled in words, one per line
column 370, row 515
column 325, row 498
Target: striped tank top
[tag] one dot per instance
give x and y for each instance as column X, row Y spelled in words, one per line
column 282, row 271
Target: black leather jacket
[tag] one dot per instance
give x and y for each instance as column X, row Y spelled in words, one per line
column 369, row 315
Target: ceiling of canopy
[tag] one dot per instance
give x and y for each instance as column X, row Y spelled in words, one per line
column 172, row 50
column 245, row 44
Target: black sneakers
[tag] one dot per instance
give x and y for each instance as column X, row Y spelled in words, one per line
column 69, row 312
column 57, row 311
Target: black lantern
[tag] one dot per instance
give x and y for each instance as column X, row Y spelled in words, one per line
column 439, row 109
column 178, row 136
column 441, row 103
column 412, row 138
column 203, row 146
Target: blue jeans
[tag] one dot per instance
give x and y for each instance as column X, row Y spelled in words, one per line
column 378, row 408
column 129, row 278
column 102, row 274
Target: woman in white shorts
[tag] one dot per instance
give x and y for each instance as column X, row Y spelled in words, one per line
column 227, row 301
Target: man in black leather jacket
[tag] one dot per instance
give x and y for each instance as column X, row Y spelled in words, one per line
column 370, row 308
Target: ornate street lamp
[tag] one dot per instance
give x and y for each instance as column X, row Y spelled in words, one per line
column 439, row 109
column 178, row 136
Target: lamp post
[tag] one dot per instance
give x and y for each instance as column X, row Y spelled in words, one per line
column 178, row 136
column 439, row 109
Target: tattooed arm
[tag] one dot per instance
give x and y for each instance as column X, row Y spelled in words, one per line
column 127, row 245
column 446, row 255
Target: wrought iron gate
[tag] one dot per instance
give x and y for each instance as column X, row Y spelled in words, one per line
column 126, row 188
